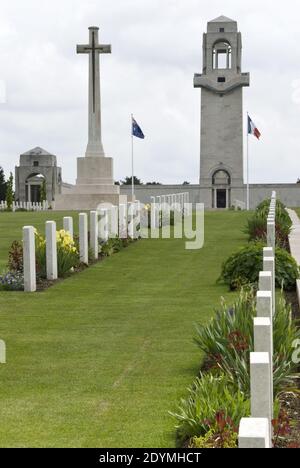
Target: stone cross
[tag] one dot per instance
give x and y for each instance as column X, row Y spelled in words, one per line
column 94, row 147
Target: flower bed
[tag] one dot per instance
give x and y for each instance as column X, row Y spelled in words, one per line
column 68, row 261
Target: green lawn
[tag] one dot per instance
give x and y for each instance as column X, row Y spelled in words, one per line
column 99, row 359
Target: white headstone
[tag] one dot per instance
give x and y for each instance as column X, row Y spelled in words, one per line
column 260, row 387
column 104, row 225
column 263, row 343
column 254, row 433
column 94, row 233
column 51, row 250
column 269, row 265
column 271, row 240
column 123, row 221
column 137, row 219
column 68, row 225
column 114, row 222
column 29, row 259
column 264, row 304
column 83, row 238
column 130, row 218
column 265, row 281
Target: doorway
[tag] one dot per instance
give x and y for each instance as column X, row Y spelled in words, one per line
column 221, row 198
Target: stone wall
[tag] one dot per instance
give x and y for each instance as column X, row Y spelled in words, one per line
column 289, row 194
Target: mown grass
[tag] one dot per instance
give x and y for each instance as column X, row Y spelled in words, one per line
column 99, row 359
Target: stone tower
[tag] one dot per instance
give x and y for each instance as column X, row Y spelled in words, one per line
column 221, row 82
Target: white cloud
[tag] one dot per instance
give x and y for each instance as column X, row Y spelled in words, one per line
column 157, row 47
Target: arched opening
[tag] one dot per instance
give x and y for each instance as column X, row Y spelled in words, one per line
column 221, row 181
column 222, row 57
column 34, row 184
column 221, row 177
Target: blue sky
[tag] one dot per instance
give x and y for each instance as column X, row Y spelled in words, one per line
column 156, row 49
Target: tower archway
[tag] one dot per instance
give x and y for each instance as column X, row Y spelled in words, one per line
column 221, row 182
column 33, row 186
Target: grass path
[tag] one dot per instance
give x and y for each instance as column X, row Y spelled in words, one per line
column 100, row 359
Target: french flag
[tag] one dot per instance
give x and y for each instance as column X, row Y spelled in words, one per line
column 252, row 129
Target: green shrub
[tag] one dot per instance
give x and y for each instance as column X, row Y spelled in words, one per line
column 230, row 329
column 243, row 267
column 208, row 396
column 112, row 246
column 228, row 340
column 257, row 225
column 223, row 434
column 15, row 257
column 213, row 440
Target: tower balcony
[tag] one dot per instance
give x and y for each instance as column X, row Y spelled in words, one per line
column 221, row 84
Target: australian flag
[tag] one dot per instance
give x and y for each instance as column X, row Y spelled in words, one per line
column 136, row 129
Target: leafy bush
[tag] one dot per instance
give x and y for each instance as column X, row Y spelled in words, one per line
column 223, row 434
column 243, row 267
column 12, row 281
column 67, row 253
column 228, row 340
column 112, row 246
column 208, row 396
column 230, row 330
column 257, row 225
column 15, row 257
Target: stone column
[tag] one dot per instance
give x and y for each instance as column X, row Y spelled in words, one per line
column 83, row 238
column 94, row 233
column 51, row 250
column 68, row 225
column 29, row 259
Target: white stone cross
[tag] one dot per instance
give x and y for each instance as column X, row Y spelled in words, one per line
column 94, row 147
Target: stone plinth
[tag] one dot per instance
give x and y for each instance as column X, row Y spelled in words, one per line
column 94, row 185
column 95, row 171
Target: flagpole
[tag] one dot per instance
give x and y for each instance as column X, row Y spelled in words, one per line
column 248, row 188
column 132, row 164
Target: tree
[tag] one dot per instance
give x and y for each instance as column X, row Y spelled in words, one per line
column 10, row 192
column 128, row 181
column 2, row 185
column 186, row 183
column 153, row 183
column 43, row 193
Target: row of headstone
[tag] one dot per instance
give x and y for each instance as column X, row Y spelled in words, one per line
column 29, row 206
column 239, row 205
column 122, row 221
column 162, row 205
column 256, row 431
